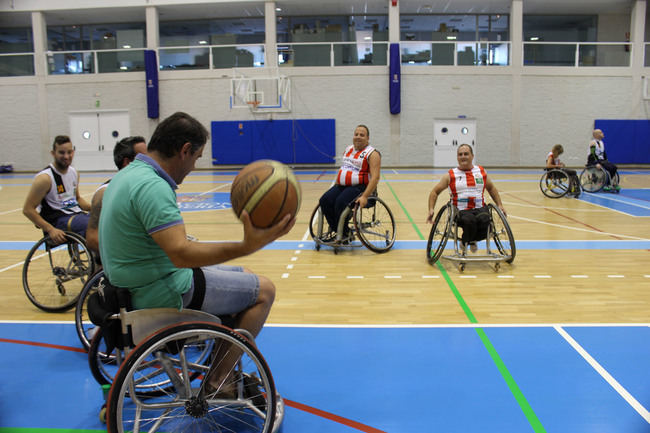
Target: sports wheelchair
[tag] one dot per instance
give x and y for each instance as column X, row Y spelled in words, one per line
column 445, row 226
column 373, row 224
column 156, row 360
column 54, row 274
column 556, row 183
column 84, row 327
column 594, row 178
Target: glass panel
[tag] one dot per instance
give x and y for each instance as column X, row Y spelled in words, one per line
column 184, row 58
column 237, row 57
column 12, row 66
column 226, row 31
column 493, row 28
column 360, row 54
column 71, row 63
column 420, row 54
column 16, row 41
column 647, row 54
column 560, row 28
column 604, row 55
column 120, row 61
column 549, row 55
column 340, row 28
column 467, row 54
column 499, row 54
column 67, row 38
column 311, row 55
column 116, row 36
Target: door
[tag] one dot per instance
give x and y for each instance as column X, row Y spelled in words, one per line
column 94, row 134
column 448, row 134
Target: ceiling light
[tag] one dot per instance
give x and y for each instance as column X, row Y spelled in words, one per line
column 126, row 46
column 278, row 9
column 203, row 42
column 534, row 38
column 451, row 38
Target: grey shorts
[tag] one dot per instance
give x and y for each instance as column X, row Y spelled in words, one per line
column 228, row 290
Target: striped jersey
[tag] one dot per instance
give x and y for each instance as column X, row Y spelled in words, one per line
column 556, row 161
column 355, row 169
column 466, row 187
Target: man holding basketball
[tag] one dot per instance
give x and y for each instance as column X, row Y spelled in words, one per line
column 144, row 246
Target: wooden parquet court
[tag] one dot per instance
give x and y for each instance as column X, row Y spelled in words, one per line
column 577, row 261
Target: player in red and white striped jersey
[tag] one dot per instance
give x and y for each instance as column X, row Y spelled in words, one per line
column 467, row 184
column 356, row 180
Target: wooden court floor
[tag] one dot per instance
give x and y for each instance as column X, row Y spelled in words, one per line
column 578, row 261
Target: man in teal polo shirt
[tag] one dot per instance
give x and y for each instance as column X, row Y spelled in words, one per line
column 144, row 246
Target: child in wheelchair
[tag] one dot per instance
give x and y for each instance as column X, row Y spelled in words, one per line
column 553, row 162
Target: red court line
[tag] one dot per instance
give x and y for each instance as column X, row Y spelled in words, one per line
column 562, row 215
column 332, row 417
column 34, row 343
column 312, row 410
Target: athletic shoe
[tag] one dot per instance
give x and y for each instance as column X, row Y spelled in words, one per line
column 473, row 247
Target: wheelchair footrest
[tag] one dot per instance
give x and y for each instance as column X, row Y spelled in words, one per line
column 476, row 258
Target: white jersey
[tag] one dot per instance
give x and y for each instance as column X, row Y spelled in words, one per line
column 466, row 187
column 62, row 197
column 600, row 148
column 355, row 169
column 556, row 161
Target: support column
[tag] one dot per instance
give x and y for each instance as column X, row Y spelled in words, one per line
column 39, row 30
column 270, row 44
column 516, row 66
column 153, row 42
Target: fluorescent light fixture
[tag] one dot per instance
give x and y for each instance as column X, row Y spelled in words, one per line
column 451, row 38
column 126, row 46
column 278, row 9
column 203, row 42
column 534, row 38
column 124, row 68
column 367, row 38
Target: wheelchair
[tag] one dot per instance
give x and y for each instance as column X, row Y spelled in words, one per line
column 155, row 361
column 373, row 225
column 594, row 179
column 555, row 183
column 54, row 274
column 498, row 232
column 84, row 327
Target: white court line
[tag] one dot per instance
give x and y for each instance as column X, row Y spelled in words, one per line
column 572, row 209
column 605, row 375
column 467, row 276
column 542, row 276
column 505, row 276
column 316, row 277
column 393, row 277
column 430, row 276
column 10, row 211
column 616, row 276
column 20, row 263
column 355, row 277
column 577, row 228
column 285, row 275
column 579, row 276
column 289, row 266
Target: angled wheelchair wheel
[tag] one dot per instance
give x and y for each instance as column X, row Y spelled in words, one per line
column 85, row 328
column 554, row 183
column 375, row 225
column 54, row 275
column 439, row 233
column 316, row 224
column 103, row 364
column 593, row 179
column 246, row 401
column 502, row 234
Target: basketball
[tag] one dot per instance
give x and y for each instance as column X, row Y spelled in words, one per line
column 267, row 190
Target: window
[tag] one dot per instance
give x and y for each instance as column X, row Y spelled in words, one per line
column 338, row 40
column 86, row 49
column 232, row 42
column 15, row 48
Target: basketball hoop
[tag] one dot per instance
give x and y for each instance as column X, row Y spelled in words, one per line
column 253, row 104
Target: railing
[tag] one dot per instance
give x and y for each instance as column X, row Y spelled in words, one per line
column 95, row 61
column 425, row 53
column 333, row 53
column 456, row 53
column 578, row 54
column 16, row 64
column 211, row 57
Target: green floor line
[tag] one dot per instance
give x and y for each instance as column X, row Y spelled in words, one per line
column 532, row 418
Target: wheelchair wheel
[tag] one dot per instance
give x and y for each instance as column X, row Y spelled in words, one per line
column 501, row 233
column 375, row 225
column 439, row 233
column 85, row 328
column 316, row 223
column 593, row 179
column 246, row 403
column 54, row 275
column 554, row 183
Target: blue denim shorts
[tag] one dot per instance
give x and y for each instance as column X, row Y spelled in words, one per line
column 228, row 290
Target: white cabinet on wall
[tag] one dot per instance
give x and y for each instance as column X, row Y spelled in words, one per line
column 448, row 134
column 94, row 134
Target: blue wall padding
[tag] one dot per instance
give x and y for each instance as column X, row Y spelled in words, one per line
column 626, row 141
column 394, row 80
column 306, row 141
column 151, row 73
